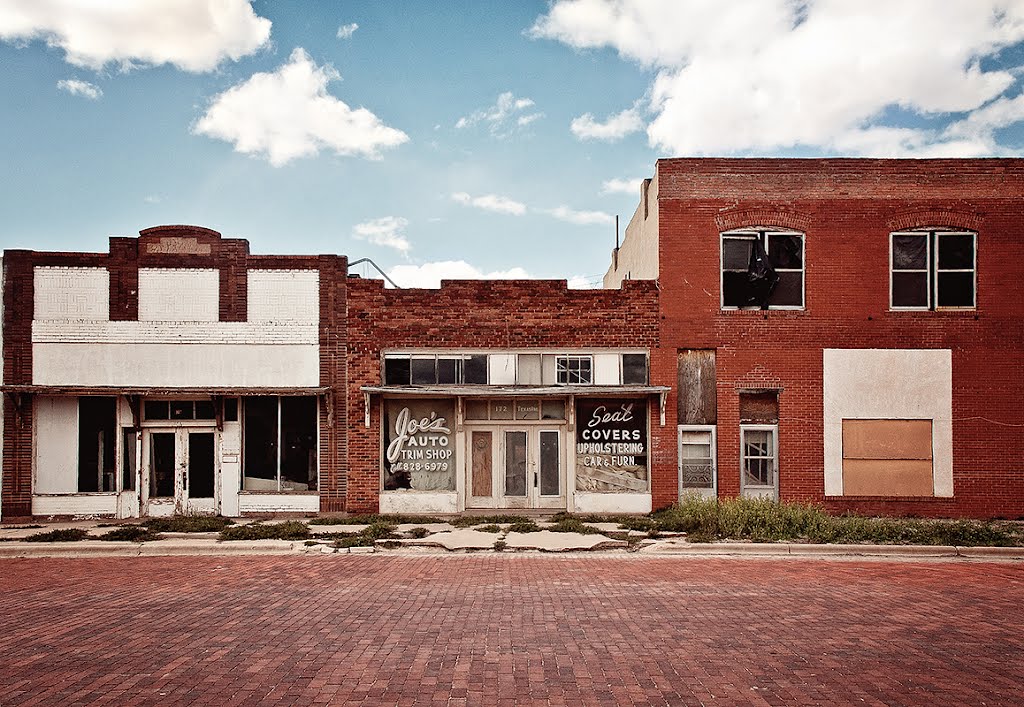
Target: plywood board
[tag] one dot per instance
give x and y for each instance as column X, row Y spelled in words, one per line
column 877, row 477
column 697, row 401
column 481, row 463
column 887, row 439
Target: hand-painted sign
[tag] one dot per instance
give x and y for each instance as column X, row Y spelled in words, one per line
column 420, row 448
column 611, row 445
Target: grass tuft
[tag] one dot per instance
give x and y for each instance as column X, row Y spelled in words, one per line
column 489, row 528
column 567, row 524
column 289, row 530
column 59, row 536
column 131, row 533
column 470, row 521
column 372, row 519
column 419, row 533
column 524, row 526
column 188, row 524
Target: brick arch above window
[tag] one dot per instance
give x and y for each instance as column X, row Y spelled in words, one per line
column 935, row 219
column 750, row 218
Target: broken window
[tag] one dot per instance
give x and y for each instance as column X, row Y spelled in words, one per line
column 574, row 370
column 696, row 459
column 178, row 410
column 759, row 456
column 97, row 444
column 279, row 443
column 933, row 269
column 762, row 268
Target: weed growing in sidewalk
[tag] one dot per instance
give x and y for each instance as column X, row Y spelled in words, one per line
column 131, row 533
column 188, row 524
column 289, row 530
column 59, row 536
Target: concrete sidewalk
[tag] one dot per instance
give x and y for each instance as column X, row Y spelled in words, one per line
column 444, row 538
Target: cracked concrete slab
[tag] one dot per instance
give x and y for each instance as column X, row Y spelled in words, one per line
column 547, row 541
column 464, row 539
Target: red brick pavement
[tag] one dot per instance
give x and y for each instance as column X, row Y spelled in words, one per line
column 506, row 629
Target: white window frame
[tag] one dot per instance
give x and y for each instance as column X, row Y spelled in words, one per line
column 705, row 493
column 774, row 486
column 762, row 233
column 932, row 238
column 562, row 365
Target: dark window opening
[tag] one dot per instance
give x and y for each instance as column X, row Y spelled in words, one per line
column 424, row 371
column 475, row 369
column 634, row 369
column 932, row 269
column 396, row 371
column 230, row 409
column 129, row 452
column 204, row 410
column 763, row 269
column 156, row 410
column 182, row 410
column 280, row 443
column 97, row 444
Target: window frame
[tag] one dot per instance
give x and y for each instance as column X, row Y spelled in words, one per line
column 278, row 446
column 932, row 238
column 711, row 430
column 761, row 233
column 774, row 429
column 563, row 365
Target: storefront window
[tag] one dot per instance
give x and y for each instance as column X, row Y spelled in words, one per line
column 419, row 445
column 279, row 443
column 611, row 445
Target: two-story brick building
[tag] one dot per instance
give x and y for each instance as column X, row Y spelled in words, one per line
column 845, row 331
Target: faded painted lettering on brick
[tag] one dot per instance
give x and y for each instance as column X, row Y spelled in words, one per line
column 419, row 445
column 611, row 445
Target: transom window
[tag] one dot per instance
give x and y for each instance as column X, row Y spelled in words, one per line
column 430, row 369
column 574, row 370
column 762, row 268
column 933, row 269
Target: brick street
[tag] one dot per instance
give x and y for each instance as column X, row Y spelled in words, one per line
column 507, row 629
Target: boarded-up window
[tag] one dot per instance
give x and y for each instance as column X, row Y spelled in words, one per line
column 760, row 407
column 697, row 403
column 887, row 458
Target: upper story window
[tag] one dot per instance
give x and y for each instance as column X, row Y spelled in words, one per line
column 574, row 370
column 762, row 268
column 933, row 269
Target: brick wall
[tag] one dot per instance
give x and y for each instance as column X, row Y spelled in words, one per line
column 847, row 208
column 480, row 316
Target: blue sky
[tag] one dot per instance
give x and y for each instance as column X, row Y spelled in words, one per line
column 462, row 139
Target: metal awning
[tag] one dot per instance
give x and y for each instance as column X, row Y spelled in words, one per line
column 504, row 391
column 159, row 390
column 516, row 391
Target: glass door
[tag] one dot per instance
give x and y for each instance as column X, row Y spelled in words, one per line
column 697, row 468
column 515, row 468
column 180, row 472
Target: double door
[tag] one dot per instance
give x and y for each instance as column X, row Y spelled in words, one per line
column 515, row 468
column 180, row 471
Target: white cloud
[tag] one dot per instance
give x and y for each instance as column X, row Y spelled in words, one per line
column 80, row 88
column 193, row 35
column 431, row 274
column 386, row 231
column 288, row 114
column 621, row 186
column 152, row 198
column 582, row 282
column 491, row 202
column 346, row 31
column 580, row 218
column 616, row 127
column 503, row 117
column 757, row 76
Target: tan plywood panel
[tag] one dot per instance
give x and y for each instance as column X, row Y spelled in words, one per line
column 877, row 477
column 481, row 461
column 887, row 439
column 697, row 401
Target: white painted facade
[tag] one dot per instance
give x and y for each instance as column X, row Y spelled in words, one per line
column 177, row 343
column 179, row 295
column 637, row 257
column 894, row 384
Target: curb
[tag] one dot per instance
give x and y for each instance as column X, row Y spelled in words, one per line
column 161, row 548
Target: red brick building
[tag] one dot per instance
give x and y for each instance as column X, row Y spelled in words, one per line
column 842, row 331
column 845, row 332
column 525, row 394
